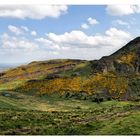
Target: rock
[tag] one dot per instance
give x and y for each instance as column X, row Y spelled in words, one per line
column 6, row 94
column 2, row 73
column 52, row 76
column 123, row 68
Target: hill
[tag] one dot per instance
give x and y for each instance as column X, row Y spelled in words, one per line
column 112, row 77
column 126, row 60
column 73, row 97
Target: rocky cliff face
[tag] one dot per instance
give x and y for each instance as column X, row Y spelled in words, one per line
column 126, row 60
column 123, row 63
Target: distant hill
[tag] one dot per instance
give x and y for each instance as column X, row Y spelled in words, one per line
column 112, row 77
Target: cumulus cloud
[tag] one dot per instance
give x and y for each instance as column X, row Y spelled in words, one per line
column 8, row 42
column 32, row 11
column 83, row 46
column 112, row 37
column 21, row 30
column 50, row 45
column 15, row 29
column 33, row 33
column 22, row 50
column 84, row 26
column 92, row 21
column 120, row 10
column 75, row 44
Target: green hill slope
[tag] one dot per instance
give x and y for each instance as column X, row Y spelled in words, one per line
column 73, row 97
column 113, row 77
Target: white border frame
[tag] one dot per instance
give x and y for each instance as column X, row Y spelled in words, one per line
column 70, row 2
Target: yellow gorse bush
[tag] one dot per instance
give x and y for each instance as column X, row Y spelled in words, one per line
column 91, row 85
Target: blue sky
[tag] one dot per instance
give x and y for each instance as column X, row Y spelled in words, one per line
column 69, row 21
column 43, row 32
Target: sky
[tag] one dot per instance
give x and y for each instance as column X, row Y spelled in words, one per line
column 41, row 32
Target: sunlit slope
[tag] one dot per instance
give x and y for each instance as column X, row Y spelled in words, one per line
column 112, row 77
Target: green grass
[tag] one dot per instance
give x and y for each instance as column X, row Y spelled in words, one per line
column 22, row 114
column 83, row 69
column 128, row 124
column 11, row 85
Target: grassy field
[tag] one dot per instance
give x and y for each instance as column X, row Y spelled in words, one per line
column 73, row 97
column 22, row 114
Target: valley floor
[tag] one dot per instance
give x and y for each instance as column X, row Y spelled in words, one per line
column 22, row 114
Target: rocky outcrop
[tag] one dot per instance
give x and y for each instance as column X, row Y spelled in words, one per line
column 2, row 74
column 126, row 60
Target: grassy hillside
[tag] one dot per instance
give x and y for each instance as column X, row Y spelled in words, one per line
column 65, row 78
column 108, row 78
column 50, row 115
column 73, row 97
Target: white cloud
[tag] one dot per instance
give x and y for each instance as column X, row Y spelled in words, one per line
column 82, row 46
column 15, row 43
column 75, row 44
column 43, row 40
column 32, row 11
column 120, row 10
column 21, row 30
column 84, row 26
column 121, row 22
column 15, row 29
column 33, row 33
column 74, row 37
column 48, row 44
column 25, row 28
column 92, row 21
column 78, row 39
column 20, row 49
column 118, row 34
